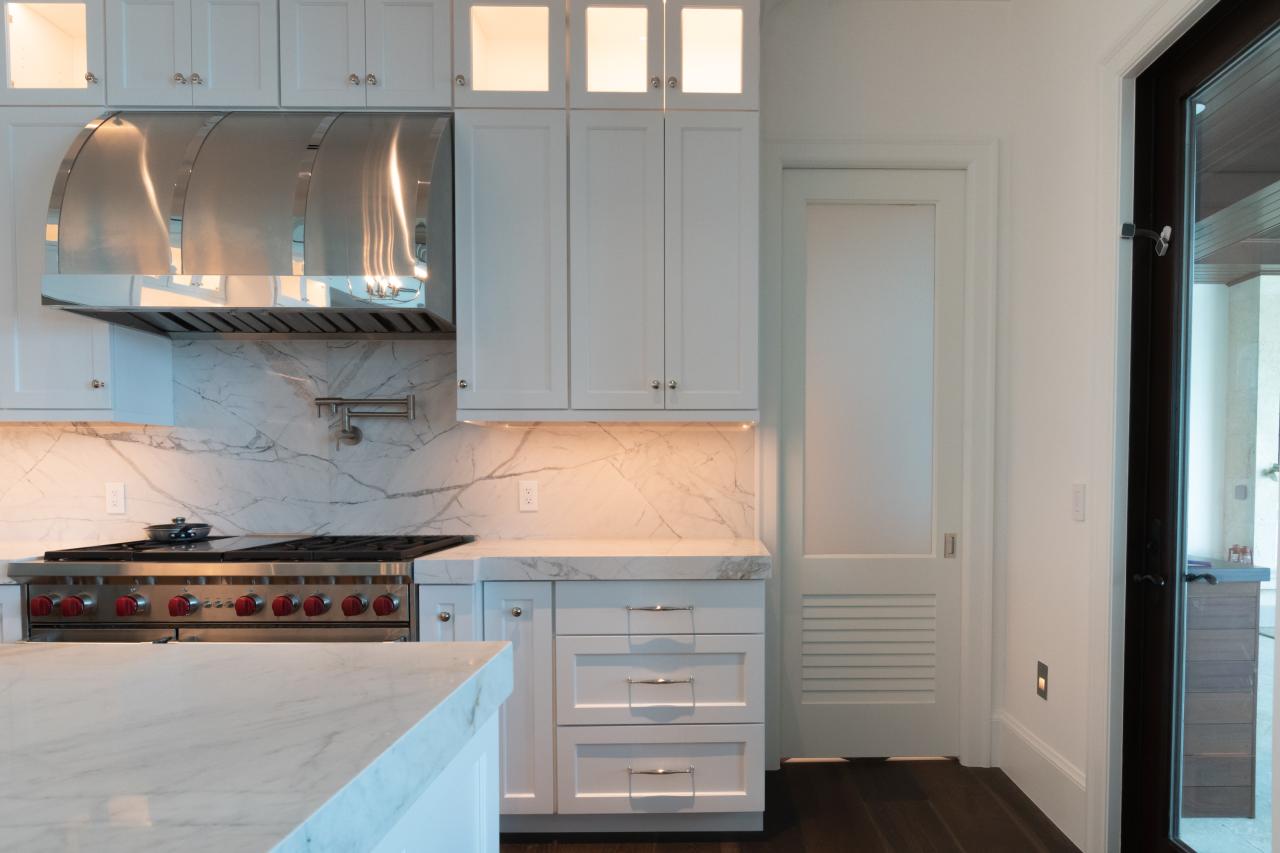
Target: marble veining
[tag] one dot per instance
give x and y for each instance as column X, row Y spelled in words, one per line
column 597, row 559
column 227, row 746
column 250, row 455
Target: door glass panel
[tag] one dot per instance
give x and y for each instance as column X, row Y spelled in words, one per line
column 47, row 45
column 868, row 432
column 1232, row 504
column 617, row 49
column 510, row 48
column 711, row 50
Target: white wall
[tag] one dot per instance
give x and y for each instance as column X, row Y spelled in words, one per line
column 1026, row 73
column 1207, row 413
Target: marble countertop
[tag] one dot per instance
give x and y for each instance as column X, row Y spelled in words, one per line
column 597, row 559
column 225, row 746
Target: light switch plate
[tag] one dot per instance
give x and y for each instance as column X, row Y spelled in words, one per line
column 528, row 495
column 115, row 498
column 1078, row 501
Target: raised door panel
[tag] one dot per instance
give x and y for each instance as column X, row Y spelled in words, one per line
column 520, row 613
column 615, row 267
column 512, row 246
column 234, row 53
column 49, row 359
column 408, row 53
column 51, row 52
column 713, row 54
column 149, row 53
column 322, row 60
column 712, row 329
column 615, row 54
column 509, row 53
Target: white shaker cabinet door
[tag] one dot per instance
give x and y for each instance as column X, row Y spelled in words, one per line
column 713, row 188
column 149, row 53
column 234, row 59
column 512, row 247
column 449, row 613
column 51, row 52
column 407, row 46
column 509, row 53
column 520, row 613
column 616, row 259
column 713, row 54
column 322, row 59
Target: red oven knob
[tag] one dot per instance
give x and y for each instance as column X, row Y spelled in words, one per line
column 385, row 605
column 130, row 605
column 183, row 605
column 76, row 605
column 354, row 605
column 248, row 605
column 284, row 605
column 316, row 604
column 42, row 605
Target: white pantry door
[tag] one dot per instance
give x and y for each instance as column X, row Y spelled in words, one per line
column 872, row 437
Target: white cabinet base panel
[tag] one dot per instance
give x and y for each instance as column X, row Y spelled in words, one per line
column 594, row 823
column 709, row 416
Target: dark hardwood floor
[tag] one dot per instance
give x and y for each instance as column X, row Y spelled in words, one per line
column 866, row 805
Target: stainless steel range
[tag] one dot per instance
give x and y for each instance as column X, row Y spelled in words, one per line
column 229, row 589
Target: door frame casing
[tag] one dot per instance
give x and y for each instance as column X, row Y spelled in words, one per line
column 979, row 160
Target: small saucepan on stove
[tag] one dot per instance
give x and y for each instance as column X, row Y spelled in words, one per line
column 178, row 530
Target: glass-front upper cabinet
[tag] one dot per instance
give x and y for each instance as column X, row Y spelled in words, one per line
column 509, row 53
column 51, row 52
column 713, row 54
column 616, row 54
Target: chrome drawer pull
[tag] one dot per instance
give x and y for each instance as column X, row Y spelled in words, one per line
column 688, row 771
column 688, row 680
column 632, row 773
column 659, row 608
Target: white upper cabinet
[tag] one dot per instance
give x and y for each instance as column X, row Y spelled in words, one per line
column 713, row 54
column 512, row 246
column 51, row 52
column 712, row 283
column 616, row 257
column 352, row 53
column 55, row 365
column 174, row 53
column 615, row 49
column 509, row 53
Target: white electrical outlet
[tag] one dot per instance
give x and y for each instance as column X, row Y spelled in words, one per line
column 115, row 498
column 1078, row 501
column 528, row 495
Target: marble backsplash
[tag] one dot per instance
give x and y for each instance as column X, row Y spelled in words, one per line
column 250, row 454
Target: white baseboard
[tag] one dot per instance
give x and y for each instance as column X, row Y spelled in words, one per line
column 1053, row 783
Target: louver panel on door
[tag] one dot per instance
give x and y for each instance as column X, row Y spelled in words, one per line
column 864, row 649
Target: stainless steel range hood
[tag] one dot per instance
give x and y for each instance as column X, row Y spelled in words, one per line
column 254, row 223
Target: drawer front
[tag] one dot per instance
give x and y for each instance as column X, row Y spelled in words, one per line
column 614, row 769
column 660, row 607
column 688, row 678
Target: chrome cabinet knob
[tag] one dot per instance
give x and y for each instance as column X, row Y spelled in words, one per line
column 196, row 79
column 179, row 79
column 462, row 383
column 517, row 612
column 97, row 383
column 461, row 80
column 655, row 384
column 353, row 79
column 444, row 616
column 672, row 82
column 371, row 79
column 90, row 77
column 671, row 383
column 655, row 82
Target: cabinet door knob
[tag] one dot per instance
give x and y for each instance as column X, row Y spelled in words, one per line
column 655, row 384
column 461, row 80
column 90, row 77
column 671, row 383
column 517, row 612
column 97, row 383
column 655, row 82
column 444, row 616
column 353, row 79
column 371, row 79
column 672, row 82
column 462, row 383
column 196, row 79
column 179, row 79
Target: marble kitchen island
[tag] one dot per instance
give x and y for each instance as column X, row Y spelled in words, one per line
column 264, row 746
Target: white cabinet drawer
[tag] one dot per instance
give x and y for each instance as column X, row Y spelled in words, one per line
column 688, row 678
column 613, row 770
column 660, row 607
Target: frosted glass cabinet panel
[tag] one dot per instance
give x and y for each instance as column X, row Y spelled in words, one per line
column 509, row 54
column 616, row 53
column 713, row 54
column 51, row 52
